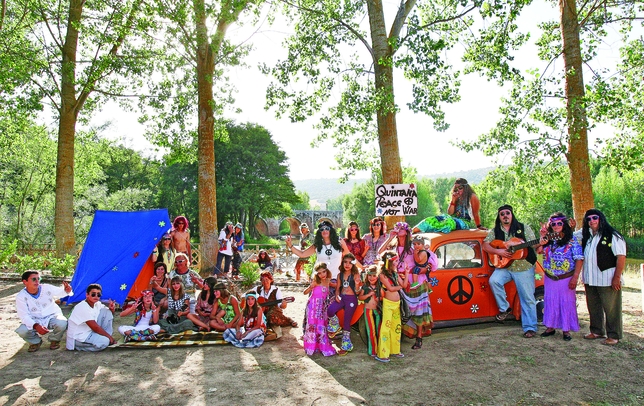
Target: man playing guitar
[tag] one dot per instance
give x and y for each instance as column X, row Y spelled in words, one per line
column 521, row 271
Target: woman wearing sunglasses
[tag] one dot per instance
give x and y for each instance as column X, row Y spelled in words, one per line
column 354, row 242
column 563, row 261
column 373, row 240
column 327, row 245
column 164, row 252
column 462, row 213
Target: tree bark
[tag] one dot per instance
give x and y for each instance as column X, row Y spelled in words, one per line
column 384, row 88
column 64, row 206
column 207, row 188
column 577, row 154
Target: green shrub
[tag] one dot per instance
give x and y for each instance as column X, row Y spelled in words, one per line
column 48, row 261
column 250, row 272
column 308, row 267
column 635, row 247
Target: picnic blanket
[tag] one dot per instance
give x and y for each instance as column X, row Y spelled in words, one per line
column 184, row 339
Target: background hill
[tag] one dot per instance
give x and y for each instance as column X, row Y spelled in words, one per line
column 322, row 190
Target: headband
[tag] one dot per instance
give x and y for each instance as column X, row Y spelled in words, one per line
column 401, row 225
column 254, row 295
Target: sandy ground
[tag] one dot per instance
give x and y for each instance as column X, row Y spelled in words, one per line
column 482, row 364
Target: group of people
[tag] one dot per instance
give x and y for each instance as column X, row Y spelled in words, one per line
column 394, row 267
column 596, row 252
column 383, row 270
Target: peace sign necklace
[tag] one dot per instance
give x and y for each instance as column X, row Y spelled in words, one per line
column 328, row 251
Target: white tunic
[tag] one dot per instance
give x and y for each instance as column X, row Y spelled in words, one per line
column 40, row 309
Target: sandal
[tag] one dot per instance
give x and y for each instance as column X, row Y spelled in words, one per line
column 529, row 334
column 610, row 341
column 54, row 345
column 418, row 345
column 34, row 347
column 593, row 336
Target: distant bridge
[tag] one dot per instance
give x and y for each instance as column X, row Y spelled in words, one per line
column 271, row 227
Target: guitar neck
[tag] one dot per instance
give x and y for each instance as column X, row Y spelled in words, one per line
column 525, row 244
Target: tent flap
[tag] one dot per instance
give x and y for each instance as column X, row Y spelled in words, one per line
column 116, row 249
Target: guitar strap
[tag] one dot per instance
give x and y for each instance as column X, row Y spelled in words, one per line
column 520, row 233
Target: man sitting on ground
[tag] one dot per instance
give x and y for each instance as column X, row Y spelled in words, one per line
column 39, row 312
column 90, row 324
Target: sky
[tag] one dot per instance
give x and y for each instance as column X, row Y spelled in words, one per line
column 430, row 152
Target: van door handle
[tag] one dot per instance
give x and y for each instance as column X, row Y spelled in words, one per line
column 483, row 275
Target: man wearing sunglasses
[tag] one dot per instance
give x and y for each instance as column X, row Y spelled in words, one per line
column 39, row 312
column 605, row 258
column 90, row 324
column 520, row 271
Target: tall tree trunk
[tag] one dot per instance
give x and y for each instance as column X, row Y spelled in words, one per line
column 206, row 143
column 64, row 211
column 384, row 87
column 577, row 154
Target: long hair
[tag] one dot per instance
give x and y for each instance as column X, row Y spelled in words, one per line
column 514, row 225
column 177, row 219
column 348, row 233
column 354, row 269
column 161, row 246
column 467, row 190
column 180, row 292
column 407, row 250
column 263, row 257
column 333, row 235
column 321, row 265
column 228, row 230
column 566, row 230
column 383, row 226
column 605, row 229
column 251, row 311
column 387, row 266
column 211, row 281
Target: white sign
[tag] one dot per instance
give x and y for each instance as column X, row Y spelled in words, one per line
column 396, row 200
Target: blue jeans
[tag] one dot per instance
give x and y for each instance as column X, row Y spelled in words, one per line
column 524, row 282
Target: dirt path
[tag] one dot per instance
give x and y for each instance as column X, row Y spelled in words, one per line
column 483, row 364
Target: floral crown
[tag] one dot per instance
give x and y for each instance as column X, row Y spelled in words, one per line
column 401, row 225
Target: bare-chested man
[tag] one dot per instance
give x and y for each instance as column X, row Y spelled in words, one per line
column 181, row 236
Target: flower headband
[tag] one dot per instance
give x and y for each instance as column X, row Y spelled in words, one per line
column 401, row 225
column 147, row 293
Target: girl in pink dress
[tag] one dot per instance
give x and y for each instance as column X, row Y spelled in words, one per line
column 315, row 331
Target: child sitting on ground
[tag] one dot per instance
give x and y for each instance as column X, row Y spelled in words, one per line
column 146, row 312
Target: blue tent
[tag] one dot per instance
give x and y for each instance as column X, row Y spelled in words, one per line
column 117, row 248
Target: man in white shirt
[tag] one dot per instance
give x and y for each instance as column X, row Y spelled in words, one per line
column 604, row 261
column 39, row 313
column 90, row 324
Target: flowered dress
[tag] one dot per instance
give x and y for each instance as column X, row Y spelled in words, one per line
column 560, row 302
column 418, row 297
column 371, row 257
column 205, row 307
column 315, row 334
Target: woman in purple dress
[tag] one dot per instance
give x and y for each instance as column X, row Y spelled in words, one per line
column 563, row 261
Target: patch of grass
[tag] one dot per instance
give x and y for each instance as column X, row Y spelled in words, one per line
column 601, row 384
column 524, row 359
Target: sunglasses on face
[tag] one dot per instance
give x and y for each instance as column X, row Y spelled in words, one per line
column 166, row 238
column 376, row 225
column 34, row 279
column 94, row 294
column 556, row 223
column 181, row 261
column 325, row 228
column 592, row 217
column 460, row 187
column 353, row 229
column 505, row 213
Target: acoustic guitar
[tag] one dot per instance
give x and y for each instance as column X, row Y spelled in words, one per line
column 264, row 303
column 517, row 247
